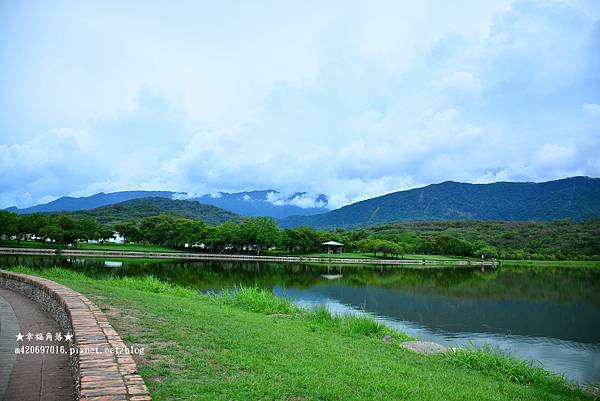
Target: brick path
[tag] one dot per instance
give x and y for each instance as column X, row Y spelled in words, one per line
column 103, row 371
column 8, row 326
column 33, row 377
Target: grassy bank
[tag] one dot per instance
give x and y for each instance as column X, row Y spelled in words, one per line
column 363, row 255
column 27, row 244
column 100, row 247
column 551, row 263
column 249, row 345
column 127, row 247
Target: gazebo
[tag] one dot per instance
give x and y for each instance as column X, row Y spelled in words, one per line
column 332, row 247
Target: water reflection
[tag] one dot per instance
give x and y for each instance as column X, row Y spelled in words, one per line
column 453, row 322
column 548, row 315
column 573, row 322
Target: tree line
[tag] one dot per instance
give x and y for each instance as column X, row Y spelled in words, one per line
column 58, row 228
column 251, row 235
column 260, row 233
column 466, row 239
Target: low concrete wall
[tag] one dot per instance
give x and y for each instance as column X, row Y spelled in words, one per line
column 101, row 375
column 27, row 251
column 255, row 258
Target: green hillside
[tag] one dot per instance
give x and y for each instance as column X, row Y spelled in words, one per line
column 512, row 239
column 138, row 209
column 576, row 198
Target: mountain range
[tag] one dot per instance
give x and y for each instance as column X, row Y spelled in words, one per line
column 250, row 203
column 576, row 198
column 70, row 204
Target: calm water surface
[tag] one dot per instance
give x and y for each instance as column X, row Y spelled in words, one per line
column 548, row 315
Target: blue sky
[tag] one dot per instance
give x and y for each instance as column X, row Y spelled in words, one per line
column 350, row 99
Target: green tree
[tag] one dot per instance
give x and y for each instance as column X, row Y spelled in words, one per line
column 33, row 223
column 89, row 229
column 260, row 233
column 159, row 230
column 404, row 248
column 130, row 231
column 190, row 232
column 69, row 229
column 227, row 235
column 387, row 247
column 52, row 232
column 485, row 250
column 367, row 245
column 9, row 224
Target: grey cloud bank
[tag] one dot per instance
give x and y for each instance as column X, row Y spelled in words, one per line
column 349, row 99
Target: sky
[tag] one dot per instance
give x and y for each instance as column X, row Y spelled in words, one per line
column 351, row 99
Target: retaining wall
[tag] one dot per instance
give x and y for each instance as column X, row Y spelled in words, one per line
column 256, row 258
column 99, row 376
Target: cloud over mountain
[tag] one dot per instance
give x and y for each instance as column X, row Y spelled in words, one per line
column 347, row 99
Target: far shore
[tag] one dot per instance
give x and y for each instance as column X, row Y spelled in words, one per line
column 267, row 258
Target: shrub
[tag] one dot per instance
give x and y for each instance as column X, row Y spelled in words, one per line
column 493, row 362
column 255, row 300
column 152, row 284
column 51, row 273
column 364, row 325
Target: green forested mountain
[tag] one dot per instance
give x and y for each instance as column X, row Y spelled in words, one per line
column 576, row 198
column 137, row 209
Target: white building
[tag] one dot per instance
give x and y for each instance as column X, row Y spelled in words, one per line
column 117, row 238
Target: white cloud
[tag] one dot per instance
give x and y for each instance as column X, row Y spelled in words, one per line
column 304, row 200
column 551, row 154
column 183, row 195
column 352, row 100
column 459, row 86
column 591, row 113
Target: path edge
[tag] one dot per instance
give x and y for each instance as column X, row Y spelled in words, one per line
column 98, row 376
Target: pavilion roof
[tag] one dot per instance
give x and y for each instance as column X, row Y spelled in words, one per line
column 332, row 243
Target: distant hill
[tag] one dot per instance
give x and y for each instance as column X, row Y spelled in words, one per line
column 137, row 209
column 512, row 239
column 577, row 198
column 251, row 203
column 267, row 203
column 69, row 204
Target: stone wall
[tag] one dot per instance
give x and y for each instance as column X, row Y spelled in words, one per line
column 102, row 369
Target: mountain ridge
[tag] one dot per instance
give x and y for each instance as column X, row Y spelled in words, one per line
column 139, row 208
column 577, row 198
column 71, row 204
column 245, row 203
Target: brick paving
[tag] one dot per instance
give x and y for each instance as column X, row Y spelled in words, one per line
column 101, row 374
column 8, row 327
column 37, row 376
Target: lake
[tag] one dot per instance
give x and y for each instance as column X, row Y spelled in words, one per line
column 547, row 315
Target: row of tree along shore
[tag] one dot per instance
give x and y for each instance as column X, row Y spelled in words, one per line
column 252, row 235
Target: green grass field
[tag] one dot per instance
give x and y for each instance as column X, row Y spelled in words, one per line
column 551, row 263
column 251, row 345
column 361, row 255
column 27, row 244
column 105, row 246
column 127, row 247
column 345, row 255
